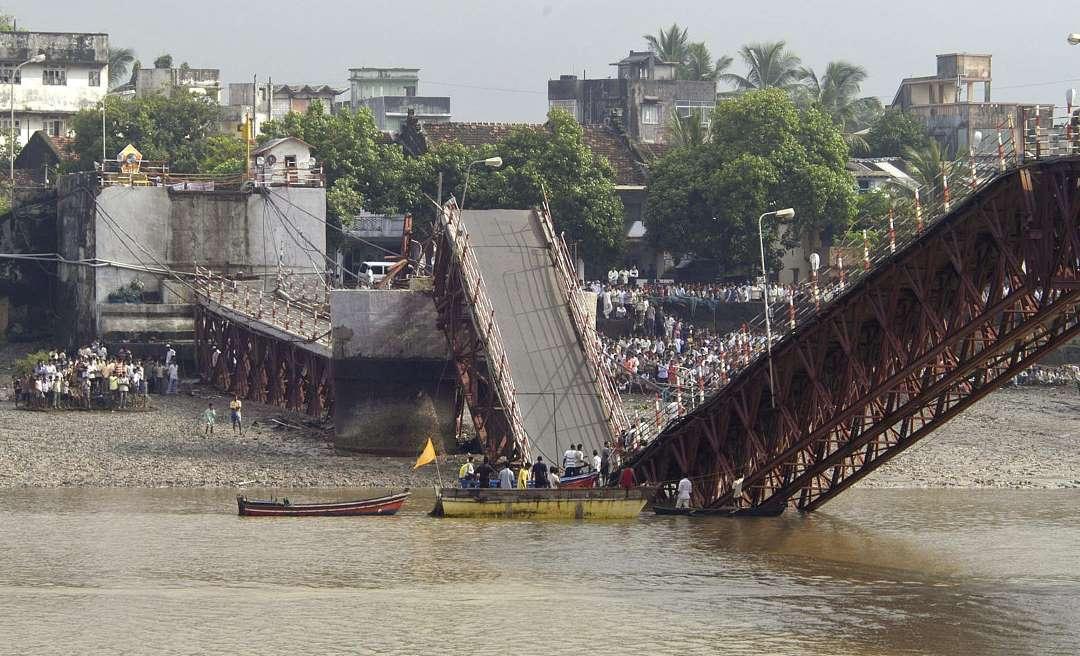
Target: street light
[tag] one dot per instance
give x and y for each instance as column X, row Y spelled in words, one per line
column 36, row 59
column 1073, row 39
column 785, row 214
column 491, row 163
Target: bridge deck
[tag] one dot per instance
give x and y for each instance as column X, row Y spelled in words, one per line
column 555, row 390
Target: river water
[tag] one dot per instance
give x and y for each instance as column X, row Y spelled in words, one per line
column 875, row 572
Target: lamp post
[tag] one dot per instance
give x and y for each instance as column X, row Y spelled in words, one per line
column 491, row 163
column 1073, row 39
column 36, row 59
column 785, row 214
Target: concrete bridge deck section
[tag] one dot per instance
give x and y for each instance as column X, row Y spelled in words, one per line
column 555, row 389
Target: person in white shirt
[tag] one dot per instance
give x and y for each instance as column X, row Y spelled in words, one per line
column 683, row 498
column 170, row 353
column 174, row 377
column 569, row 461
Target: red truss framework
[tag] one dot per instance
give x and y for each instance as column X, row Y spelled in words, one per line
column 260, row 367
column 982, row 294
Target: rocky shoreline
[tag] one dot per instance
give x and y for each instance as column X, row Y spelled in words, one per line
column 1026, row 437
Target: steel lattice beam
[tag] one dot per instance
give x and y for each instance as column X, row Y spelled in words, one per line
column 981, row 295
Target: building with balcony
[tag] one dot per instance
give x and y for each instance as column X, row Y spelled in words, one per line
column 640, row 101
column 244, row 97
column 73, row 76
column 391, row 94
column 955, row 103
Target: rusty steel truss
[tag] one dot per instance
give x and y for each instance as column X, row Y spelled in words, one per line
column 267, row 366
column 981, row 295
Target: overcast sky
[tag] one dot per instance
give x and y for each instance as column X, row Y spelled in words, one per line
column 494, row 57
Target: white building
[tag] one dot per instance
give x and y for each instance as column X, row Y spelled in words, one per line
column 73, row 76
column 391, row 95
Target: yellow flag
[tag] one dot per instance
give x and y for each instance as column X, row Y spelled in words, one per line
column 426, row 456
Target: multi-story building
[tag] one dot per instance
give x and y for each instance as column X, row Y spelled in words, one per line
column 73, row 76
column 197, row 81
column 391, row 93
column 951, row 106
column 245, row 97
column 641, row 101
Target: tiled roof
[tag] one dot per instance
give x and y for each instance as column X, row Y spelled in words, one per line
column 65, row 146
column 602, row 141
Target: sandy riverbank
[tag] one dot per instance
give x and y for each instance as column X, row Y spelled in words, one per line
column 1016, row 438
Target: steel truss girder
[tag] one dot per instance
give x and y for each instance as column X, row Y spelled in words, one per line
column 981, row 295
column 259, row 367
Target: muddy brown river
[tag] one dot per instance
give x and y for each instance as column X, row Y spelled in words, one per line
column 875, row 572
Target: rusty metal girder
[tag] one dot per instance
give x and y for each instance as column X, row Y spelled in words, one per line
column 978, row 297
column 260, row 367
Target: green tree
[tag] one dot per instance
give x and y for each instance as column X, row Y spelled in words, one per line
column 579, row 185
column 764, row 153
column 7, row 22
column 684, row 131
column 224, row 154
column 173, row 129
column 163, row 61
column 670, row 44
column 120, row 65
column 350, row 148
column 837, row 94
column 927, row 165
column 768, row 66
column 893, row 132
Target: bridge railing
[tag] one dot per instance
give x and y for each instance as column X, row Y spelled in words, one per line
column 586, row 331
column 300, row 309
column 487, row 328
column 915, row 209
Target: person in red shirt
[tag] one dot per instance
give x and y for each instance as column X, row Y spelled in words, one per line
column 627, row 480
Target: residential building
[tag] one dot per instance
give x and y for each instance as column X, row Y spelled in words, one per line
column 197, row 81
column 74, row 76
column 37, row 163
column 392, row 95
column 955, row 103
column 872, row 173
column 245, row 96
column 640, row 101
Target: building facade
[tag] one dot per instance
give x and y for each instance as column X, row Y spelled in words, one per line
column 641, row 101
column 392, row 94
column 244, row 97
column 955, row 103
column 73, row 76
column 197, row 81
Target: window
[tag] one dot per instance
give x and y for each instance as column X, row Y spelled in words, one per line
column 54, row 76
column 54, row 127
column 700, row 108
column 6, row 71
column 569, row 106
column 650, row 114
column 5, row 126
column 94, row 78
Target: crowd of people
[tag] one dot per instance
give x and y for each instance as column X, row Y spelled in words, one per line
column 93, row 379
column 523, row 474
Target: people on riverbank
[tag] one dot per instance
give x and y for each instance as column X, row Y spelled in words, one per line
column 235, row 416
column 83, row 380
column 210, row 417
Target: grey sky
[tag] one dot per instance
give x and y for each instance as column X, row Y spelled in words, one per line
column 493, row 57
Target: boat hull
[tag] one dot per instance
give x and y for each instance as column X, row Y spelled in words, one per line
column 579, row 482
column 387, row 505
column 543, row 504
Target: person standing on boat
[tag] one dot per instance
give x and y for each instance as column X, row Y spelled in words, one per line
column 507, row 480
column 553, row 478
column 605, row 463
column 579, row 457
column 483, row 474
column 683, row 497
column 540, row 473
column 595, row 461
column 627, row 479
column 569, row 461
column 466, row 473
column 523, row 475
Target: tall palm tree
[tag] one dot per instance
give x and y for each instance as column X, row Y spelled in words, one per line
column 926, row 165
column 687, row 131
column 120, row 61
column 671, row 44
column 698, row 64
column 837, row 94
column 769, row 65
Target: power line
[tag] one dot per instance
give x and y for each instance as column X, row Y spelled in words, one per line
column 331, row 225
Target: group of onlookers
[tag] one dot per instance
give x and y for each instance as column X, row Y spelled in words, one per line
column 522, row 474
column 92, row 378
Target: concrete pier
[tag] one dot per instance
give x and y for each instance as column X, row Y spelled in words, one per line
column 394, row 383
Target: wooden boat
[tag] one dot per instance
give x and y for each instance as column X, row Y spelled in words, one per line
column 562, row 503
column 726, row 511
column 385, row 505
column 581, row 481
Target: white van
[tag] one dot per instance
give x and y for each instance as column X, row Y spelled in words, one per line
column 378, row 269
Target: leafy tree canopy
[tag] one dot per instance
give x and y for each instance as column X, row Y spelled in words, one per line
column 164, row 61
column 893, row 132
column 173, row 129
column 764, row 154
